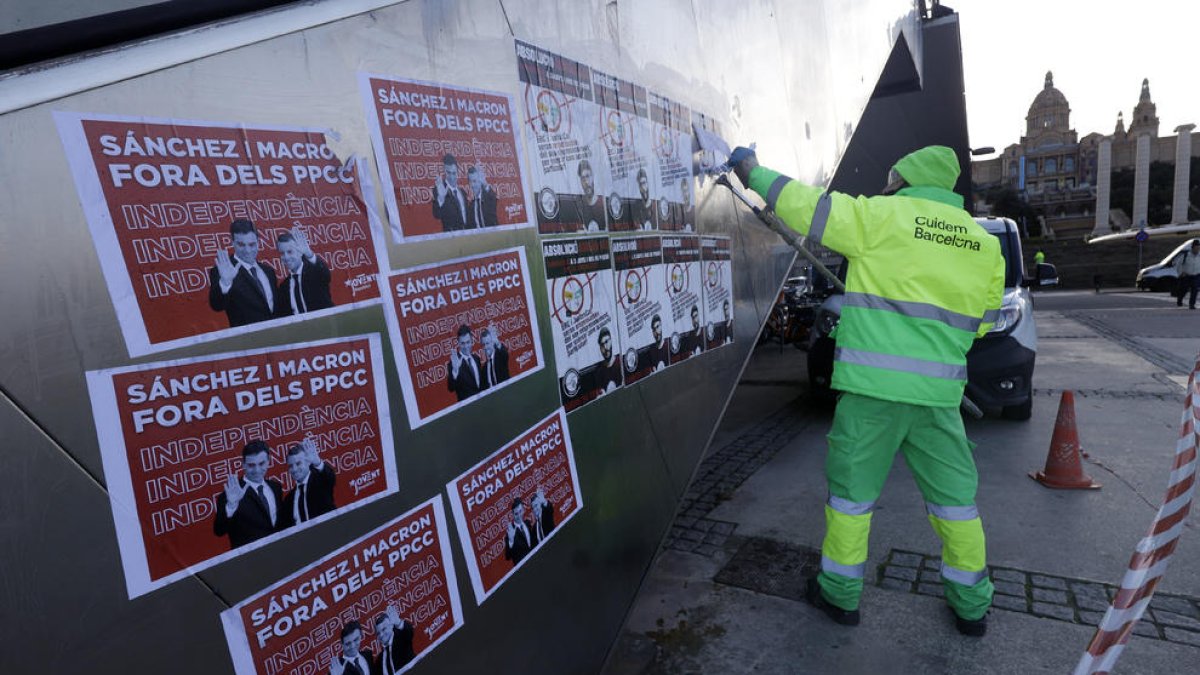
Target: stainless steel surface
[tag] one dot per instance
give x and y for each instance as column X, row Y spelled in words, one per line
column 794, row 77
column 60, row 574
column 26, row 14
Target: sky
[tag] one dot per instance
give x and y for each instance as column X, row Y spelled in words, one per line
column 1099, row 54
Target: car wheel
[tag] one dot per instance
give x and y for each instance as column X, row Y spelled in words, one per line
column 1019, row 412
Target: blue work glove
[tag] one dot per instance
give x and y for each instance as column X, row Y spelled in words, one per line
column 742, row 160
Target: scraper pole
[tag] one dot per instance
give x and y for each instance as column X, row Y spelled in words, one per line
column 789, row 235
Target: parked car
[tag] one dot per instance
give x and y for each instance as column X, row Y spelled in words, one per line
column 1162, row 276
column 792, row 315
column 999, row 365
column 797, row 287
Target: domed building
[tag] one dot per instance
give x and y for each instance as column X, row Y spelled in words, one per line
column 1048, row 122
column 1047, row 162
column 1056, row 168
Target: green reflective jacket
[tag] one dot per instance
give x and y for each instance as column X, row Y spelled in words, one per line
column 924, row 278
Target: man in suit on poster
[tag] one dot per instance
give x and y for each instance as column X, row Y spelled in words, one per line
column 482, row 205
column 313, row 494
column 395, row 642
column 520, row 536
column 449, row 204
column 354, row 659
column 543, row 516
column 495, row 369
column 306, row 287
column 465, row 378
column 242, row 287
column 248, row 509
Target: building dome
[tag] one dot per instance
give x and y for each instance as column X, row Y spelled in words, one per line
column 1049, row 119
column 1048, row 98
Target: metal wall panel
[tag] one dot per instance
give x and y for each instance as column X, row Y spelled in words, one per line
column 61, row 580
column 792, row 76
column 898, row 123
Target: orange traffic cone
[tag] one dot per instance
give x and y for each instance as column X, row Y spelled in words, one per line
column 1063, row 467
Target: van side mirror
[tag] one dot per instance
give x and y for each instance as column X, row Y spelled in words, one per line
column 1044, row 275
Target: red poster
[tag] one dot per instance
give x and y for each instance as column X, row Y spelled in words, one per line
column 388, row 598
column 450, row 158
column 507, row 506
column 205, row 229
column 462, row 329
column 207, row 458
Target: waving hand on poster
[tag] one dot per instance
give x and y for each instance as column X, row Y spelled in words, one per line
column 233, row 494
column 301, row 239
column 225, row 269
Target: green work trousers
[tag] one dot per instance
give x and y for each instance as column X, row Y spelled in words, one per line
column 864, row 439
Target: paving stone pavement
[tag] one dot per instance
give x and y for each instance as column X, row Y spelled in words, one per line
column 721, row 472
column 1172, row 618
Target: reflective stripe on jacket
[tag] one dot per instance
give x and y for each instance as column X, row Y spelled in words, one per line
column 924, row 281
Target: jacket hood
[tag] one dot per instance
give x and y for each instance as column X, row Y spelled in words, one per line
column 931, row 166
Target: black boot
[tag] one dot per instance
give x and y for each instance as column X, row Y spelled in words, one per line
column 974, row 628
column 846, row 617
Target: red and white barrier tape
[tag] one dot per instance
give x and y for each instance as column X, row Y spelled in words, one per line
column 1153, row 555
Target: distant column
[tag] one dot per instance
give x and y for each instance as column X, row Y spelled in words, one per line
column 1183, row 167
column 1141, row 181
column 1103, row 187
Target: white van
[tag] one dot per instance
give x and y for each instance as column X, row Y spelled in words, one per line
column 1000, row 364
column 1162, row 276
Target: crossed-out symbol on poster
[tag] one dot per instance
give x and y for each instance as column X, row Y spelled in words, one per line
column 713, row 274
column 633, row 285
column 571, row 296
column 615, row 134
column 677, row 277
column 664, row 143
column 553, row 111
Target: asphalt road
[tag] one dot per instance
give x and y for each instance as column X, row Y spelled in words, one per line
column 1149, row 324
column 724, row 595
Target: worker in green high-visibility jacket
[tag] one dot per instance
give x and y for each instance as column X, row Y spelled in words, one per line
column 924, row 281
